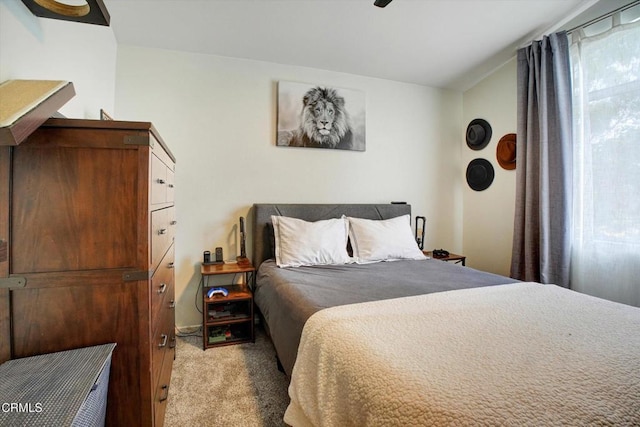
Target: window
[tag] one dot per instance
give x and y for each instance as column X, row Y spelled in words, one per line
column 606, row 232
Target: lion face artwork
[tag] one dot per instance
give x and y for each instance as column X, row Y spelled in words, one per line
column 323, row 122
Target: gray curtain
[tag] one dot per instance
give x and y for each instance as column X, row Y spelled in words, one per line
column 542, row 232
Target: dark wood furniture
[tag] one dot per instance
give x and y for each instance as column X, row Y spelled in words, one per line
column 227, row 319
column 462, row 259
column 87, row 224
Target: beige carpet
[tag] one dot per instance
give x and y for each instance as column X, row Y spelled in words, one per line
column 237, row 385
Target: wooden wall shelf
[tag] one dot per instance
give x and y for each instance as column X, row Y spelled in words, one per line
column 26, row 104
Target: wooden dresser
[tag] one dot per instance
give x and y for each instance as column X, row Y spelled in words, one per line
column 87, row 224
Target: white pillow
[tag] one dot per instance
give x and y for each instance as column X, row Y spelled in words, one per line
column 383, row 240
column 300, row 242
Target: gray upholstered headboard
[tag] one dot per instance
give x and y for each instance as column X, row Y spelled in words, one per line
column 263, row 228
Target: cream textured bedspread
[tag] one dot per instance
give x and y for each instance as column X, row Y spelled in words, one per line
column 519, row 355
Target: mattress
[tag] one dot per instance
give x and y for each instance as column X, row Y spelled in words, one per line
column 287, row 297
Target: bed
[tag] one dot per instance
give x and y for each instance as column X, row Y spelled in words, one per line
column 425, row 342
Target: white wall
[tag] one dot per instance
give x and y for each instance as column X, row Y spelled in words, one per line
column 218, row 115
column 488, row 215
column 49, row 49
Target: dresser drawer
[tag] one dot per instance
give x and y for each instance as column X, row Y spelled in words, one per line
column 158, row 181
column 171, row 185
column 162, row 287
column 162, row 234
column 163, row 344
column 162, row 178
column 173, row 223
column 162, row 389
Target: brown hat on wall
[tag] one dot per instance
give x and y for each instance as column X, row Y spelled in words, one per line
column 478, row 134
column 506, row 151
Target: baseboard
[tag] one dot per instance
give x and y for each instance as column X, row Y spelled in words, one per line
column 188, row 330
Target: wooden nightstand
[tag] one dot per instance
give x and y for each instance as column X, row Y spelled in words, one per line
column 451, row 257
column 227, row 319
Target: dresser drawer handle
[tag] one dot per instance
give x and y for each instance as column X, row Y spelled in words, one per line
column 172, row 304
column 170, row 265
column 163, row 342
column 160, row 181
column 165, row 393
column 170, row 185
column 162, row 231
column 162, row 288
column 174, row 222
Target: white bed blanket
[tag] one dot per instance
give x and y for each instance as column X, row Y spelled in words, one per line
column 518, row 355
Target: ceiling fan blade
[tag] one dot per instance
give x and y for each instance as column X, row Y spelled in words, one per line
column 381, row 3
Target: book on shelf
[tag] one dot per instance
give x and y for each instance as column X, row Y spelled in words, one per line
column 240, row 315
column 234, row 316
column 218, row 314
column 224, row 332
column 216, row 338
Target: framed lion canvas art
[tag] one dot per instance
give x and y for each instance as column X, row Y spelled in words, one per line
column 320, row 116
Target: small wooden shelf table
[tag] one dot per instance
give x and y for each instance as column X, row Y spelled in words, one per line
column 451, row 257
column 227, row 320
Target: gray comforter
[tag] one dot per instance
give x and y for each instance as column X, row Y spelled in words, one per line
column 287, row 297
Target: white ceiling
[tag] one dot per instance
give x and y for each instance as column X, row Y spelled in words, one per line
column 440, row 43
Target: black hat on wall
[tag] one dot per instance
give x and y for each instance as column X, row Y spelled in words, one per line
column 478, row 134
column 480, row 174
